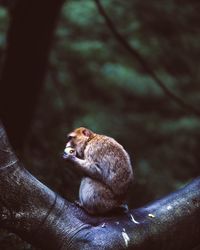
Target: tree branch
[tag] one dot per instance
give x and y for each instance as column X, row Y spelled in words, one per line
column 43, row 218
column 135, row 54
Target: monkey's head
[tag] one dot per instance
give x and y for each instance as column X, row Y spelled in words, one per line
column 78, row 140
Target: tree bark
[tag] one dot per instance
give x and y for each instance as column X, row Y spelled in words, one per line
column 43, row 218
column 28, row 43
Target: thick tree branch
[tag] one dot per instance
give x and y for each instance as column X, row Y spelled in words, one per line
column 38, row 215
column 146, row 66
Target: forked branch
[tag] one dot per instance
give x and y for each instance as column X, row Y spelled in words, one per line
column 43, row 218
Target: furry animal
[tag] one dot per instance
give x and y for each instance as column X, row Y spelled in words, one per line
column 106, row 168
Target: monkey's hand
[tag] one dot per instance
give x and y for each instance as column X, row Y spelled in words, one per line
column 69, row 157
column 69, row 153
column 88, row 168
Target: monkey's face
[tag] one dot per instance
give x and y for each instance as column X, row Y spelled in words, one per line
column 78, row 140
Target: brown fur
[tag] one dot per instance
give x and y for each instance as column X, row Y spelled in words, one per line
column 107, row 170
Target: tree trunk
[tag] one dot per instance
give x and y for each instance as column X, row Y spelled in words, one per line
column 43, row 218
column 28, row 43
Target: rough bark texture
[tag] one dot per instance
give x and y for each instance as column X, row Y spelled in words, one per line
column 43, row 218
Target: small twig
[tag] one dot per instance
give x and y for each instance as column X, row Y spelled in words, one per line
column 134, row 53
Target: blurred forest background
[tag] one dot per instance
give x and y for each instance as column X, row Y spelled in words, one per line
column 92, row 80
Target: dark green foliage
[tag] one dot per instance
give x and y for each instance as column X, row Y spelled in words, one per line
column 92, row 81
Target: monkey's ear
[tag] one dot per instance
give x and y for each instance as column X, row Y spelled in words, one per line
column 87, row 132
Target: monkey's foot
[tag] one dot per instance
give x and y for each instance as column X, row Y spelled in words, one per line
column 78, row 203
column 120, row 210
column 124, row 207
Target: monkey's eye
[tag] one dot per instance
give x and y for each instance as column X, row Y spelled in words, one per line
column 69, row 137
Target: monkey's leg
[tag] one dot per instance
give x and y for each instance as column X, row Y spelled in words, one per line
column 95, row 197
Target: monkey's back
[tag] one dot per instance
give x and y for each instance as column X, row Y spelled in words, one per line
column 113, row 161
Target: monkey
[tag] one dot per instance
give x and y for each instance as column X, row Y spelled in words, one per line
column 106, row 167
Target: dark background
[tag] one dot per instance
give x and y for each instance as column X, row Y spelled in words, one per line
column 91, row 80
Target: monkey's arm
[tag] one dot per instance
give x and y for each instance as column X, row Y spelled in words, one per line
column 89, row 168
